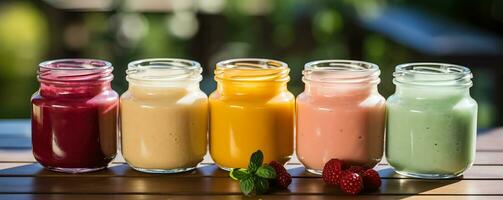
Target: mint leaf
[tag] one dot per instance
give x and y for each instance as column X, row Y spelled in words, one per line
column 255, row 161
column 247, row 185
column 254, row 180
column 239, row 174
column 261, row 185
column 266, row 171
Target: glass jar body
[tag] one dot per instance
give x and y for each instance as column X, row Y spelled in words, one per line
column 164, row 128
column 74, row 128
column 250, row 116
column 431, row 130
column 340, row 120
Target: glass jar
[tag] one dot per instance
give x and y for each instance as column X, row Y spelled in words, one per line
column 74, row 115
column 164, row 116
column 432, row 121
column 340, row 114
column 251, row 110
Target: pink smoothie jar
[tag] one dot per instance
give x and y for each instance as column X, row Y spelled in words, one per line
column 340, row 114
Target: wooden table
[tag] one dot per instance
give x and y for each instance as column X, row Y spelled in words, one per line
column 22, row 178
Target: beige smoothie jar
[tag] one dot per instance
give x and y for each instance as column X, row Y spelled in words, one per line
column 164, row 116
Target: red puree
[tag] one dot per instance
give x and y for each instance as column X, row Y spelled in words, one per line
column 74, row 115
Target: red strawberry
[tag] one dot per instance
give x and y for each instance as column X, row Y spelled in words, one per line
column 331, row 171
column 283, row 178
column 371, row 180
column 356, row 169
column 350, row 182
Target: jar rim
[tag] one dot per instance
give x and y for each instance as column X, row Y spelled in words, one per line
column 76, row 70
column 163, row 70
column 432, row 73
column 75, row 64
column 432, row 68
column 341, row 65
column 252, row 69
column 164, row 62
column 341, row 71
column 251, row 64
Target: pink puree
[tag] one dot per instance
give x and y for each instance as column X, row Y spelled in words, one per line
column 340, row 120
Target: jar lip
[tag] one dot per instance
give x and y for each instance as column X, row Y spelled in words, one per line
column 341, row 71
column 432, row 68
column 252, row 69
column 75, row 71
column 163, row 63
column 251, row 64
column 163, row 70
column 75, row 64
column 432, row 73
column 336, row 65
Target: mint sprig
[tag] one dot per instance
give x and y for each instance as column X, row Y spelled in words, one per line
column 256, row 161
column 255, row 178
column 266, row 171
column 247, row 185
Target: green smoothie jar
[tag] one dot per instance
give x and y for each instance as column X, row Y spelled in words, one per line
column 431, row 121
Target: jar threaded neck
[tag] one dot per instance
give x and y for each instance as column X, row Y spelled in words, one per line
column 252, row 69
column 341, row 71
column 432, row 74
column 163, row 70
column 75, row 71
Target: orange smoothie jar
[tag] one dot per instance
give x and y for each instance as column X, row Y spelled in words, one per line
column 251, row 109
column 340, row 114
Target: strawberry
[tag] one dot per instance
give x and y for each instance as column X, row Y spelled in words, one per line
column 331, row 171
column 283, row 178
column 371, row 180
column 356, row 169
column 351, row 182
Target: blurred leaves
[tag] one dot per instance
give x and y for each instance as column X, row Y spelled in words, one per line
column 294, row 31
column 23, row 43
column 23, row 39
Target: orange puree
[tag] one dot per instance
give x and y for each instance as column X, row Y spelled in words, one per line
column 250, row 110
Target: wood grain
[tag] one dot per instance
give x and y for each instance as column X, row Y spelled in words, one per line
column 234, row 197
column 22, row 178
column 215, row 185
column 26, row 156
column 491, row 140
column 482, row 172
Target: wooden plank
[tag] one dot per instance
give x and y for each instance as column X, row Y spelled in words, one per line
column 481, row 172
column 214, row 185
column 10, row 165
column 491, row 140
column 489, row 158
column 482, row 157
column 232, row 197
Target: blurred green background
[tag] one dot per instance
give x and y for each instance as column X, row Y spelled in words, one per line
column 385, row 32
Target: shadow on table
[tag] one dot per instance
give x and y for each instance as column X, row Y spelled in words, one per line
column 394, row 186
column 123, row 170
column 33, row 178
column 117, row 180
column 398, row 184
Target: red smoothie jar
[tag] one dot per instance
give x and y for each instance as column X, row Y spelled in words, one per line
column 74, row 115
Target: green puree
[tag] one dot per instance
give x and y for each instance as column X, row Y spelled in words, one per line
column 430, row 131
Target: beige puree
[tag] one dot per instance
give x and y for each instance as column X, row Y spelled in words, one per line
column 163, row 127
